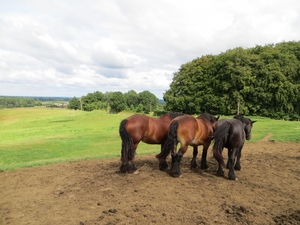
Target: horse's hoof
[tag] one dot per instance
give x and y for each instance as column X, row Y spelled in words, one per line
column 238, row 168
column 131, row 168
column 163, row 166
column 204, row 167
column 232, row 178
column 123, row 168
column 220, row 173
column 193, row 166
column 176, row 175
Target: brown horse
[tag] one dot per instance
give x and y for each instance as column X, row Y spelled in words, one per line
column 138, row 128
column 187, row 130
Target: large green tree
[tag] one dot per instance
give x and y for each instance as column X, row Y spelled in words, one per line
column 263, row 80
column 148, row 100
column 132, row 99
column 117, row 102
column 74, row 103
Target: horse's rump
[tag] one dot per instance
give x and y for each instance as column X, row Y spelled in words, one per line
column 220, row 139
column 171, row 140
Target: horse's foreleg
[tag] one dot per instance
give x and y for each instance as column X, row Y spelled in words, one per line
column 194, row 159
column 163, row 165
column 204, row 155
column 231, row 174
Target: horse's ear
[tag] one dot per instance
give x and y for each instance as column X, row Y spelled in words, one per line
column 217, row 118
column 253, row 121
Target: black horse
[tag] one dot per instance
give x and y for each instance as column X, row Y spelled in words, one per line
column 231, row 134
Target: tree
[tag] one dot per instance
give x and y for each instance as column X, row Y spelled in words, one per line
column 74, row 103
column 148, row 100
column 131, row 98
column 117, row 102
column 264, row 80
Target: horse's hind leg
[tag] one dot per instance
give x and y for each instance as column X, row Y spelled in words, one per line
column 228, row 154
column 129, row 165
column 231, row 174
column 220, row 171
column 132, row 167
column 238, row 163
column 194, row 159
column 176, row 158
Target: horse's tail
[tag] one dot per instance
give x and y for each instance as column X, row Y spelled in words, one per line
column 220, row 139
column 127, row 151
column 171, row 140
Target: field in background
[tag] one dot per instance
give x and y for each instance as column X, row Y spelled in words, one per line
column 40, row 135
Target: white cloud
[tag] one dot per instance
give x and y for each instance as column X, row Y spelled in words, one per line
column 71, row 48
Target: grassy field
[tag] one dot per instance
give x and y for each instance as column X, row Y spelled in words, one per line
column 38, row 136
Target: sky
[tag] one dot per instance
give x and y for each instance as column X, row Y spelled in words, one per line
column 69, row 48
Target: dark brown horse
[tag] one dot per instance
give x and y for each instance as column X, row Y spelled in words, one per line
column 138, row 128
column 187, row 130
column 231, row 134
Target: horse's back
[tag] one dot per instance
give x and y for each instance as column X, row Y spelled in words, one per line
column 187, row 125
column 193, row 131
column 150, row 130
column 235, row 135
column 186, row 122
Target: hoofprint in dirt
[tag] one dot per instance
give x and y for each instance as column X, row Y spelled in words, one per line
column 94, row 192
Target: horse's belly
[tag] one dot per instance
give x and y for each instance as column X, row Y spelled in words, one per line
column 197, row 142
column 150, row 140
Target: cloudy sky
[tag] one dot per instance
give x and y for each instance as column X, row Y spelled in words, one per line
column 71, row 47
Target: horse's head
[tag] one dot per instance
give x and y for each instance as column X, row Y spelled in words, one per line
column 247, row 125
column 248, row 129
column 215, row 122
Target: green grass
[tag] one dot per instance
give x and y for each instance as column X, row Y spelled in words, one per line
column 281, row 130
column 39, row 136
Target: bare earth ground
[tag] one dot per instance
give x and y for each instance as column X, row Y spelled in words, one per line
column 93, row 192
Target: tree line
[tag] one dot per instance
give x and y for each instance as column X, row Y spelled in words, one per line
column 21, row 101
column 263, row 80
column 114, row 102
column 12, row 102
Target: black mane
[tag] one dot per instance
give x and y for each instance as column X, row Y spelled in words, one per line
column 173, row 114
column 208, row 116
column 242, row 119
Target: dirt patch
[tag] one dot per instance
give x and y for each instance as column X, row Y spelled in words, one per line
column 267, row 138
column 93, row 192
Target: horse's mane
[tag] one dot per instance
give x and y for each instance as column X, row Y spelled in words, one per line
column 241, row 118
column 172, row 115
column 208, row 116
